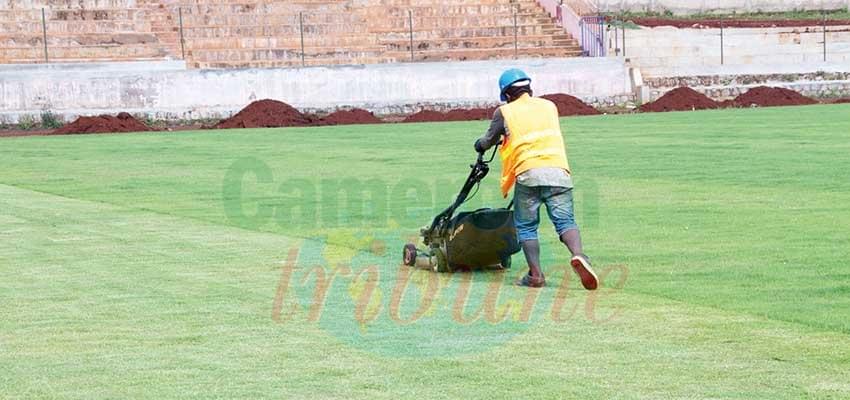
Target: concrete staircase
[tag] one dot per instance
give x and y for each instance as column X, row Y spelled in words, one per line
column 468, row 30
column 223, row 34
column 268, row 33
column 78, row 30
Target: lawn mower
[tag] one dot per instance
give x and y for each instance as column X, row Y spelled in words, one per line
column 480, row 239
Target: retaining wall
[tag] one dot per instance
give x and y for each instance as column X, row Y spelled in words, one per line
column 169, row 91
column 819, row 81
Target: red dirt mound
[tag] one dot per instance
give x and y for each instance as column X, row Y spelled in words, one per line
column 461, row 114
column 841, row 101
column 652, row 22
column 764, row 96
column 425, row 116
column 124, row 122
column 350, row 117
column 569, row 105
column 680, row 99
column 266, row 114
column 470, row 114
column 727, row 103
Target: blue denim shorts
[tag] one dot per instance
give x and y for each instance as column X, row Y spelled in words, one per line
column 527, row 201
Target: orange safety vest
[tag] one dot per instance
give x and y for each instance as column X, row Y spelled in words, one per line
column 534, row 139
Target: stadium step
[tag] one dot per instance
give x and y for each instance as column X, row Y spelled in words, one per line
column 83, row 40
column 289, row 63
column 264, row 42
column 84, row 52
column 219, row 33
column 329, row 55
column 478, row 31
column 486, row 54
column 456, row 9
column 443, row 3
column 448, row 21
column 476, row 42
column 69, row 4
column 269, row 31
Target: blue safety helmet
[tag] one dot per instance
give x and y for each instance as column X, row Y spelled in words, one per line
column 510, row 77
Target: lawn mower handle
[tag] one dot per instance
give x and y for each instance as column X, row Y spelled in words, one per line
column 492, row 155
column 479, row 171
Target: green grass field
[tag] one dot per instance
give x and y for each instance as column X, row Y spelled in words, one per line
column 126, row 270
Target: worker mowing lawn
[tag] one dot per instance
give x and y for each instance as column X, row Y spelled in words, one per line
column 534, row 163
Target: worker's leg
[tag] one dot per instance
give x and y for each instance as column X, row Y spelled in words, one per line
column 572, row 238
column 531, row 249
column 527, row 218
column 559, row 206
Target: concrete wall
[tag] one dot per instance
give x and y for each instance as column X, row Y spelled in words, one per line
column 705, row 6
column 170, row 93
column 656, row 50
column 808, row 87
column 777, row 69
column 831, row 80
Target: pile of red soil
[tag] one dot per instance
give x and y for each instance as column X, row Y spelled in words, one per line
column 569, row 105
column 764, row 96
column 124, row 122
column 469, row 114
column 266, row 114
column 426, row 116
column 841, row 101
column 462, row 114
column 350, row 117
column 652, row 22
column 680, row 99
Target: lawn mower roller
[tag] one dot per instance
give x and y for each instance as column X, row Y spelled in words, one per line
column 481, row 239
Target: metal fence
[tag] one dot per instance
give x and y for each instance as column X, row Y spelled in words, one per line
column 616, row 37
column 593, row 36
column 511, row 33
column 513, row 28
column 617, row 27
column 597, row 35
column 603, row 34
column 582, row 20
